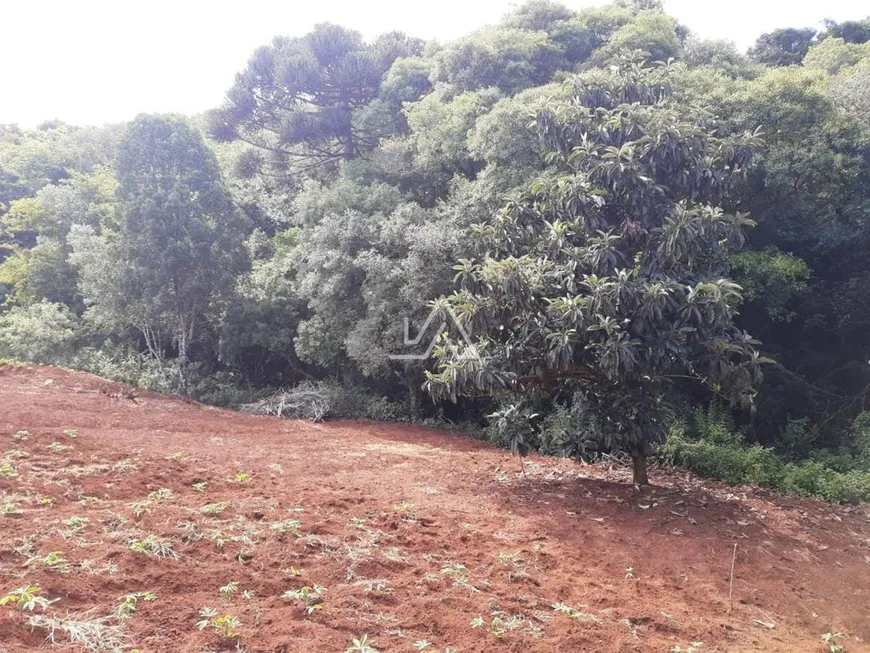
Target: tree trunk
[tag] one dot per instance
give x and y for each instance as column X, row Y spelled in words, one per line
column 185, row 337
column 640, row 475
column 182, row 363
column 413, row 395
column 349, row 145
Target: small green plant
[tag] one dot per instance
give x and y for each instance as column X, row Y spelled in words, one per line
column 125, row 465
column 831, row 641
column 10, row 510
column 71, row 433
column 200, row 486
column 176, row 455
column 574, row 613
column 54, row 560
column 309, row 596
column 293, row 571
column 21, row 435
column 163, row 494
column 459, row 574
column 228, row 590
column 219, row 538
column 496, row 625
column 288, row 525
column 152, row 545
column 362, row 645
column 223, row 625
column 214, row 508
column 127, row 606
column 515, row 564
column 57, row 447
column 75, row 524
column 7, row 470
column 406, row 509
column 26, row 598
column 242, row 477
column 139, row 508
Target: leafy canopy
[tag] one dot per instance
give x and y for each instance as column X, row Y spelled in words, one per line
column 608, row 274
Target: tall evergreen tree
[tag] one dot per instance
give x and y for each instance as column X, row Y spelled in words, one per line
column 299, row 99
column 180, row 244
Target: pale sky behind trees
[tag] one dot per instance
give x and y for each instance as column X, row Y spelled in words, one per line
column 97, row 61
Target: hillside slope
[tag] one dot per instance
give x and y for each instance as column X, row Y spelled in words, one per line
column 413, row 533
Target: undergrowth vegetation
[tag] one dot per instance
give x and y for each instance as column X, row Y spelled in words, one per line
column 709, row 443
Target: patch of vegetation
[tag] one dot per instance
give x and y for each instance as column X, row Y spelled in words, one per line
column 223, row 625
column 153, row 545
column 163, row 494
column 26, row 598
column 310, row 597
column 713, row 447
column 7, row 470
column 129, row 603
column 363, row 644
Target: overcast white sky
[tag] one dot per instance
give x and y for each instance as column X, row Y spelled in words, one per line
column 96, row 61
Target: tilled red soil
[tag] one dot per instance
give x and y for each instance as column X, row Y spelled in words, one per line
column 413, row 535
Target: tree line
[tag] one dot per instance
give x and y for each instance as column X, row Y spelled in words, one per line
column 637, row 227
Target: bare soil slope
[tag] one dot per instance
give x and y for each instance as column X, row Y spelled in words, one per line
column 415, row 534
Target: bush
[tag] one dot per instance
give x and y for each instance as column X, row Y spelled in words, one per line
column 715, row 424
column 733, row 461
column 796, row 439
column 814, row 479
column 729, row 461
column 126, row 366
column 43, row 333
column 570, row 431
column 386, row 410
column 222, row 389
column 512, row 426
column 861, row 439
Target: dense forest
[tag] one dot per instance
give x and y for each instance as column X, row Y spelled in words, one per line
column 635, row 241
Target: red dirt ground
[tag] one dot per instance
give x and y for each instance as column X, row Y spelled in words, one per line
column 413, row 532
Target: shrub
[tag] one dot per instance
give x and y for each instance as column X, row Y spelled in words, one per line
column 221, row 389
column 570, row 431
column 44, row 333
column 861, row 439
column 126, row 366
column 816, row 480
column 735, row 462
column 797, row 438
column 729, row 461
column 385, row 410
